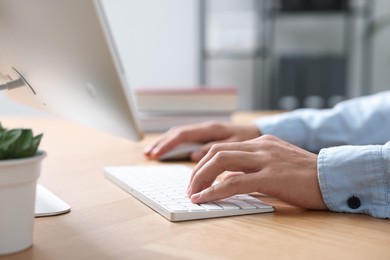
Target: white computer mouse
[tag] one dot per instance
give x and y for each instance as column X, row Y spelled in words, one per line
column 180, row 152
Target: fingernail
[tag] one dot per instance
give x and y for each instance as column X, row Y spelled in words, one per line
column 153, row 153
column 148, row 149
column 155, row 150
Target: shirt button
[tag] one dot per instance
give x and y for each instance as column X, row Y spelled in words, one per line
column 354, row 202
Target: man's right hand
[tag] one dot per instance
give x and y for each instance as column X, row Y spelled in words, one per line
column 207, row 133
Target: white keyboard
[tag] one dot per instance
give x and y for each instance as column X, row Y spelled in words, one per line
column 163, row 188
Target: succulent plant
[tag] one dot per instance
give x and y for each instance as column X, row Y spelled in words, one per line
column 18, row 143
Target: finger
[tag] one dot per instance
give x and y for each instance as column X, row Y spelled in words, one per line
column 238, row 184
column 237, row 161
column 216, row 148
column 199, row 133
column 163, row 146
column 231, row 174
column 148, row 149
column 206, row 158
column 197, row 155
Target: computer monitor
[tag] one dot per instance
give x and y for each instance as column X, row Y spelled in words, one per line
column 59, row 56
column 64, row 54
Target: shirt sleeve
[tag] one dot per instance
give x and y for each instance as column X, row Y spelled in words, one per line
column 356, row 179
column 354, row 150
column 359, row 121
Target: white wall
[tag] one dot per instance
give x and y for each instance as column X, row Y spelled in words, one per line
column 157, row 40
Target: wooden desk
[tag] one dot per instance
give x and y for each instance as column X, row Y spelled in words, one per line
column 107, row 223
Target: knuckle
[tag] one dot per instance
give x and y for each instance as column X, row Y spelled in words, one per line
column 181, row 133
column 215, row 148
column 233, row 181
column 267, row 141
column 212, row 123
column 215, row 126
column 268, row 137
column 175, row 129
column 221, row 156
column 233, row 184
column 211, row 190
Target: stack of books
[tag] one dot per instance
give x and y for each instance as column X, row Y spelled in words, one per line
column 161, row 109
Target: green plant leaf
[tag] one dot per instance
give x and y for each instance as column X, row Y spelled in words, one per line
column 8, row 138
column 18, row 143
column 21, row 146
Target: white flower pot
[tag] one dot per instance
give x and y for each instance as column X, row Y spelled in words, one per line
column 18, row 178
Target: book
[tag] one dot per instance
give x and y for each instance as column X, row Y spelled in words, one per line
column 187, row 100
column 157, row 122
column 163, row 108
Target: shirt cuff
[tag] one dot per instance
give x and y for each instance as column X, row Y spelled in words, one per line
column 352, row 179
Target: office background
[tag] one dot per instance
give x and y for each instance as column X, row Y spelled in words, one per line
column 266, row 48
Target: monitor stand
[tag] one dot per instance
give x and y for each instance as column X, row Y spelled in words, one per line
column 48, row 204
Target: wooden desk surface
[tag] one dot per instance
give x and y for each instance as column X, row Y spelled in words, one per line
column 107, row 223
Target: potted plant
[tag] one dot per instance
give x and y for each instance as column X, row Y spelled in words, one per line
column 20, row 163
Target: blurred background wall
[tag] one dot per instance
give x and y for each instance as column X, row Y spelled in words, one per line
column 281, row 54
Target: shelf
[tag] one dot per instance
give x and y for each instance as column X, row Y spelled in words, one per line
column 236, row 54
column 265, row 85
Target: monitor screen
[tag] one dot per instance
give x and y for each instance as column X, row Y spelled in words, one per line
column 66, row 56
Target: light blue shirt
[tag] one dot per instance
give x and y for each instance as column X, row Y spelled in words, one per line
column 353, row 141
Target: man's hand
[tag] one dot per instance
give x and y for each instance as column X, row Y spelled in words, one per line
column 266, row 164
column 208, row 133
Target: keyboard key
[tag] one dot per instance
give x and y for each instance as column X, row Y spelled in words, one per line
column 226, row 205
column 210, row 206
column 177, row 208
column 242, row 204
column 193, row 207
